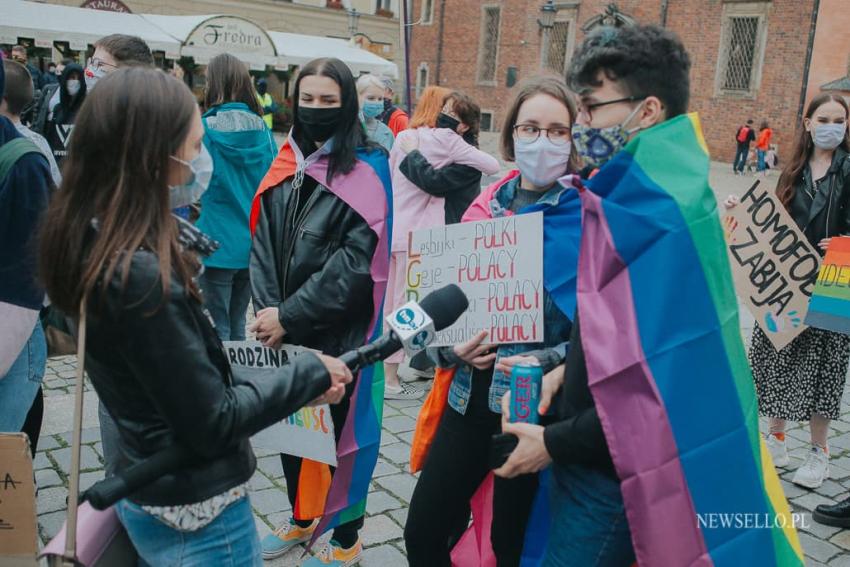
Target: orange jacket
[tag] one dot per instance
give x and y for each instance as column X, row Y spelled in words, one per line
column 398, row 121
column 763, row 141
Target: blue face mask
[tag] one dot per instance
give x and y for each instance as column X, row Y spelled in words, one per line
column 829, row 136
column 372, row 108
column 597, row 146
column 201, row 168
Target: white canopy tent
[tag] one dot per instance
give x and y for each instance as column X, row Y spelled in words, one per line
column 298, row 49
column 200, row 37
column 80, row 27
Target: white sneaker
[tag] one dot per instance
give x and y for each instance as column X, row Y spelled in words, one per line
column 402, row 392
column 814, row 470
column 778, row 450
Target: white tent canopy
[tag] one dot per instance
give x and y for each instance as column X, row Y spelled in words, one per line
column 298, row 49
column 80, row 27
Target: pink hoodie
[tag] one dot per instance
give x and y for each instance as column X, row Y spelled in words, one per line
column 414, row 209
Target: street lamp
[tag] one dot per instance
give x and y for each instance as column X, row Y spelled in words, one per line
column 353, row 17
column 546, row 21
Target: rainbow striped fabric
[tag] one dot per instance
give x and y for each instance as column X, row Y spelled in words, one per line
column 666, row 362
column 829, row 307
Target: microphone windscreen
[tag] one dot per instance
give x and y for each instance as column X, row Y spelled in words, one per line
column 445, row 306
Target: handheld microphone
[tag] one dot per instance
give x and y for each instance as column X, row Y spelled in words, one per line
column 412, row 327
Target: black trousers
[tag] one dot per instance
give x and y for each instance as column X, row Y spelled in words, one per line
column 741, row 155
column 32, row 424
column 457, row 463
column 345, row 534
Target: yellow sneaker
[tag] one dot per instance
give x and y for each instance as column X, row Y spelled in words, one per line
column 286, row 537
column 332, row 555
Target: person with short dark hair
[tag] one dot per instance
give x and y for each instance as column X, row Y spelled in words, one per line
column 19, row 54
column 51, row 77
column 116, row 51
column 24, row 192
column 17, row 97
column 628, row 80
column 743, row 138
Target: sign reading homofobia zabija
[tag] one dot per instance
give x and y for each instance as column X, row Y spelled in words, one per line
column 498, row 264
column 773, row 264
column 309, row 432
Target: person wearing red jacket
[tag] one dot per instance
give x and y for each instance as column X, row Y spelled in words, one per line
column 393, row 116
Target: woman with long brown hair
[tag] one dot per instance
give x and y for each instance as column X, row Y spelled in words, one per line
column 804, row 381
column 112, row 252
column 242, row 150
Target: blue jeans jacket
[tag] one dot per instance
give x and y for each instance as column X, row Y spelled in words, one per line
column 556, row 326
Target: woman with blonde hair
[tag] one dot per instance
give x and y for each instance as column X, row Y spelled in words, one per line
column 370, row 92
column 441, row 138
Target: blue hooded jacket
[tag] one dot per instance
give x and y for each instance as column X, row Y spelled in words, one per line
column 242, row 149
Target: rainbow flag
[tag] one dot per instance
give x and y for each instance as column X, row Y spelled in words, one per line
column 666, row 363
column 341, row 497
column 829, row 307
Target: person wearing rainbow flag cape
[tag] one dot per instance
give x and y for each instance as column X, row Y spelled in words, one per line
column 655, row 452
column 321, row 222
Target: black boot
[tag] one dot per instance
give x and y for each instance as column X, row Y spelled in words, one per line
column 834, row 514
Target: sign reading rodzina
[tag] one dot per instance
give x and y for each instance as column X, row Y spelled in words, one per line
column 773, row 264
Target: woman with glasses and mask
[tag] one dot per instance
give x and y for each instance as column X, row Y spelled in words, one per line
column 444, row 145
column 319, row 266
column 537, row 137
column 112, row 250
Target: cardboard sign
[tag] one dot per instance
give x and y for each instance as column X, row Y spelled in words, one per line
column 498, row 264
column 773, row 264
column 18, row 533
column 830, row 305
column 307, row 433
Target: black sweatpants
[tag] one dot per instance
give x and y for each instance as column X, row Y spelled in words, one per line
column 345, row 534
column 457, row 463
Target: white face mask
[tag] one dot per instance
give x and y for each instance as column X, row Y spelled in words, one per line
column 541, row 162
column 828, row 136
column 190, row 192
column 73, row 86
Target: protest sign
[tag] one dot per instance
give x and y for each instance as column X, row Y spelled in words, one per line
column 498, row 264
column 830, row 305
column 773, row 264
column 18, row 535
column 307, row 433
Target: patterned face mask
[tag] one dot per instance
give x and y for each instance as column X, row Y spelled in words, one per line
column 598, row 145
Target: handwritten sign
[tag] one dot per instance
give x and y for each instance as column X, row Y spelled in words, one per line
column 497, row 263
column 307, row 433
column 18, row 535
column 773, row 264
column 830, row 305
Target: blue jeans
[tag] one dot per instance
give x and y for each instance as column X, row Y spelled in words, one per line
column 230, row 540
column 760, row 154
column 589, row 526
column 226, row 295
column 21, row 383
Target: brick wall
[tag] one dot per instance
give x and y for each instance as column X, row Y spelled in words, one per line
column 698, row 23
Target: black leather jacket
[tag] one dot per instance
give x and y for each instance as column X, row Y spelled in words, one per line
column 158, row 366
column 314, row 267
column 824, row 212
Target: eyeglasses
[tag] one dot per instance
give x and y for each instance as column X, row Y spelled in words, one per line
column 97, row 64
column 529, row 133
column 587, row 109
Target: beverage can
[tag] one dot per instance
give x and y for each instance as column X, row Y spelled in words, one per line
column 526, row 386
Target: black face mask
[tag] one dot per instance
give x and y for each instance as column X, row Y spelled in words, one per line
column 319, row 123
column 446, row 121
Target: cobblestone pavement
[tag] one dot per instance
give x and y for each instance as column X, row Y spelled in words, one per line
column 392, row 486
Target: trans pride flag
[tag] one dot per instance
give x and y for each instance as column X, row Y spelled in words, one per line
column 666, row 363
